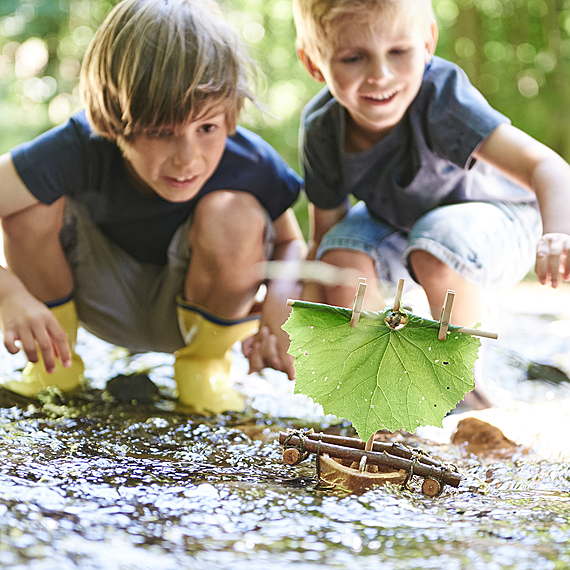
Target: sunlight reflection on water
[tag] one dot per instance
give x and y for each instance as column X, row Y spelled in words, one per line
column 88, row 483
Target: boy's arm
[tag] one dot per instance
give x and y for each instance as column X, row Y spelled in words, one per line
column 14, row 196
column 320, row 222
column 23, row 317
column 538, row 168
column 269, row 346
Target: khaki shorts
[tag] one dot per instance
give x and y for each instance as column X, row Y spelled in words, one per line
column 119, row 299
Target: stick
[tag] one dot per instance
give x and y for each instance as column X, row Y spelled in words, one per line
column 358, row 302
column 398, row 297
column 373, row 458
column 477, row 332
column 446, row 315
column 310, row 271
column 396, row 449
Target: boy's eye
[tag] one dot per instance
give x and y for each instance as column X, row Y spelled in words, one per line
column 399, row 51
column 160, row 134
column 208, row 128
column 351, row 59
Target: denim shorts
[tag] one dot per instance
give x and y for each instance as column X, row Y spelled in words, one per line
column 489, row 244
column 119, row 299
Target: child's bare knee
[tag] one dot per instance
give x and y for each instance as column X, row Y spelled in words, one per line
column 427, row 267
column 228, row 220
column 420, row 258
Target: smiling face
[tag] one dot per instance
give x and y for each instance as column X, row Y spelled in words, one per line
column 374, row 69
column 176, row 162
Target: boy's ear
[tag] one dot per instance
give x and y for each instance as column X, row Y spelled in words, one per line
column 310, row 66
column 431, row 41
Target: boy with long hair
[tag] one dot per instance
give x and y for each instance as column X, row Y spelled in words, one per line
column 144, row 217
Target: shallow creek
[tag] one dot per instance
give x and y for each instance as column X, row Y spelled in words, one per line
column 88, row 482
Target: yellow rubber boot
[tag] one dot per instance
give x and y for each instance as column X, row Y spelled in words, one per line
column 202, row 367
column 34, row 376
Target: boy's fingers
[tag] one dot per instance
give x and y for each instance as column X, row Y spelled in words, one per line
column 256, row 363
column 60, row 345
column 10, row 343
column 48, row 350
column 552, row 257
column 552, row 271
column 246, row 346
column 539, row 269
column 255, row 349
column 273, row 355
column 29, row 346
column 289, row 369
column 265, row 351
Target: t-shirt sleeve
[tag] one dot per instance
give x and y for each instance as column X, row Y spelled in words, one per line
column 53, row 164
column 319, row 144
column 459, row 118
column 252, row 165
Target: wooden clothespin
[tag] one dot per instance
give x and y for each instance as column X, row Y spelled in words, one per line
column 358, row 302
column 398, row 297
column 445, row 317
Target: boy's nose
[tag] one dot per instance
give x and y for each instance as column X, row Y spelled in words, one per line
column 379, row 69
column 184, row 150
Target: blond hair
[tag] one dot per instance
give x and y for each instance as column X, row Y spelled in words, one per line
column 162, row 63
column 313, row 18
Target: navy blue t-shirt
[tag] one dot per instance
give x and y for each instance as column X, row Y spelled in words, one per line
column 70, row 160
column 425, row 162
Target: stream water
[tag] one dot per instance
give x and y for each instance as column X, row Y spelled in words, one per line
column 89, row 482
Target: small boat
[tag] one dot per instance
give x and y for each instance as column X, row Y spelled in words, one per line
column 347, row 464
column 342, row 475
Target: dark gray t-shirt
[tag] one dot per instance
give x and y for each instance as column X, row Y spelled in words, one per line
column 70, row 160
column 425, row 162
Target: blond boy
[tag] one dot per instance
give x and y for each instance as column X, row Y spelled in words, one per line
column 146, row 216
column 451, row 195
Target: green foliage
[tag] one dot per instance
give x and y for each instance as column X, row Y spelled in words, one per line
column 375, row 376
column 515, row 51
column 41, row 46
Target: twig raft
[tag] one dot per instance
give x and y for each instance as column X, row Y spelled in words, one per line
column 418, row 464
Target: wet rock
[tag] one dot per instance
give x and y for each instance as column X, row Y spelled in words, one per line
column 547, row 373
column 484, row 440
column 9, row 399
column 133, row 388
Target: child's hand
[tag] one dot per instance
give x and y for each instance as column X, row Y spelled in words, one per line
column 553, row 258
column 26, row 319
column 268, row 349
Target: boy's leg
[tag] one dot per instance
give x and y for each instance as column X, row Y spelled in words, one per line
column 369, row 246
column 468, row 308
column 436, row 278
column 471, row 249
column 227, row 239
column 343, row 296
column 33, row 252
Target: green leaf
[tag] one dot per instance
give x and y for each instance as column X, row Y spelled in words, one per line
column 375, row 376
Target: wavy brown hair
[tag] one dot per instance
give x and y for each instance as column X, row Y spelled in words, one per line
column 162, row 63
